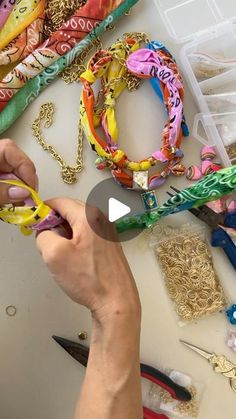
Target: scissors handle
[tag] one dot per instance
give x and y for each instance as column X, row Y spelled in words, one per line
column 233, row 384
column 221, row 239
column 149, row 414
column 230, row 220
column 157, row 377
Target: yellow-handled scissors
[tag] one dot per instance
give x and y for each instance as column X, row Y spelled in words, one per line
column 220, row 363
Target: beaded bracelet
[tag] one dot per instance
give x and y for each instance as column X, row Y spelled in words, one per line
column 116, row 68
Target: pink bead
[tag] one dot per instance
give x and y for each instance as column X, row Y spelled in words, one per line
column 158, row 155
column 217, row 206
column 208, row 153
column 206, row 167
column 194, row 173
column 216, row 167
column 210, row 167
column 231, row 341
column 232, row 207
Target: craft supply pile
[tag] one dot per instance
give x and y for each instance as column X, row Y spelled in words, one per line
column 41, row 40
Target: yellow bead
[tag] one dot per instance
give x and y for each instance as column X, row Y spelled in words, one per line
column 118, row 155
column 133, row 166
column 145, row 165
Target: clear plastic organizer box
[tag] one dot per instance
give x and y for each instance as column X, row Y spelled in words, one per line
column 209, row 63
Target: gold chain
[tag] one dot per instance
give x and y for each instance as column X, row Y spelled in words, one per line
column 57, row 12
column 68, row 173
column 133, row 82
column 73, row 72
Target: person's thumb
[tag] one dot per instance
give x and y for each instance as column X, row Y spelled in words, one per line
column 12, row 194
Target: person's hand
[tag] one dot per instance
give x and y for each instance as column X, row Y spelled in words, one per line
column 13, row 160
column 92, row 271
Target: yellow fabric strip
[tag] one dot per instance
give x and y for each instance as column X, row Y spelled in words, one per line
column 24, row 216
column 112, row 76
column 23, row 14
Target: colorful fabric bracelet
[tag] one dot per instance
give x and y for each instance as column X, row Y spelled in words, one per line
column 109, row 66
column 23, row 14
column 212, row 187
column 35, row 86
column 24, row 44
column 34, row 215
column 6, row 7
column 156, row 84
column 57, row 45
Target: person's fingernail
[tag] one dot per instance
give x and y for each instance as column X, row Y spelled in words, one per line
column 16, row 192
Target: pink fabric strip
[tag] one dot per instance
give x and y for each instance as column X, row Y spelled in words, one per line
column 146, row 63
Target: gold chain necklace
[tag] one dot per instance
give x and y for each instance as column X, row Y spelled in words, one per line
column 68, row 173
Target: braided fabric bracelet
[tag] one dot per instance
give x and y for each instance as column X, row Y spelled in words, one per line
column 22, row 99
column 114, row 67
column 34, row 215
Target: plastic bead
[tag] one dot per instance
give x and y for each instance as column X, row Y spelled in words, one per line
column 134, row 166
column 194, row 173
column 206, row 167
column 145, row 165
column 208, row 153
column 216, row 167
column 101, row 163
column 210, row 167
column 231, row 341
column 231, row 207
column 156, row 181
column 231, row 314
column 178, row 170
column 179, row 153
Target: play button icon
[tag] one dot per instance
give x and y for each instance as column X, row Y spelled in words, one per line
column 116, row 203
column 117, row 210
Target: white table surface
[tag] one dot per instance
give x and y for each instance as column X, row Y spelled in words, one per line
column 37, row 379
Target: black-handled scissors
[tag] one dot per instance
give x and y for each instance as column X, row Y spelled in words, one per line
column 81, row 354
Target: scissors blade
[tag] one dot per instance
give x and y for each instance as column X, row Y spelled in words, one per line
column 205, row 354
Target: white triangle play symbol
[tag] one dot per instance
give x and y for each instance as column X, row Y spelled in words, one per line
column 117, row 210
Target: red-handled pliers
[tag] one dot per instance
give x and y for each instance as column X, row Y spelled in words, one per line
column 81, row 354
column 176, row 391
